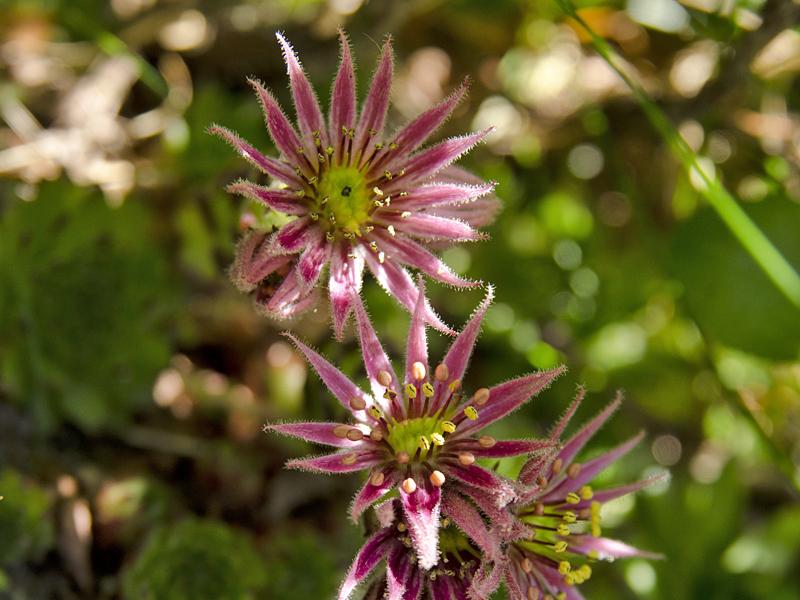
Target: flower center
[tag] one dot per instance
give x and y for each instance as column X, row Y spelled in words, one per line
column 407, row 436
column 343, row 202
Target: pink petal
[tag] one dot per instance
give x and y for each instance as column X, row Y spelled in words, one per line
column 309, row 115
column 579, row 440
column 608, row 549
column 555, row 581
column 429, row 227
column 438, row 194
column 512, row 584
column 281, row 131
column 403, row 579
column 274, row 168
column 374, row 550
column 608, row 494
column 477, row 213
column 591, row 468
column 338, row 462
column 343, row 96
column 537, row 465
column 375, row 358
column 501, row 448
column 417, row 342
column 373, row 113
column 289, row 299
column 346, row 276
column 509, row 396
column 485, row 581
column 562, row 423
column 421, row 128
column 501, row 489
column 503, row 522
column 398, row 283
column 293, row 236
column 336, row 381
column 409, row 252
column 255, row 260
column 469, row 520
column 313, row 259
column 440, row 590
column 319, row 433
column 283, row 201
column 429, row 162
column 421, row 509
column 372, row 493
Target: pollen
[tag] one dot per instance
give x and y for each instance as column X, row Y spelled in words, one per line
column 349, row 459
column 424, row 443
column 557, row 464
column 409, row 486
column 377, row 478
column 466, row 458
column 569, row 517
column 481, row 396
column 427, row 389
column 384, row 378
column 418, row 371
column 442, row 373
column 355, row 435
column 340, row 431
column 564, row 567
column 486, row 441
column 358, row 404
column 375, row 412
column 437, row 478
column 574, row 470
column 471, row 413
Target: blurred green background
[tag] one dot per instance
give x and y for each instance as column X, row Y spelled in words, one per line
column 134, row 379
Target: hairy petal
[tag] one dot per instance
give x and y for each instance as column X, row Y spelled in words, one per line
column 343, row 96
column 435, row 195
column 608, row 549
column 373, row 112
column 473, row 475
column 339, row 462
column 374, row 550
column 502, row 448
column 256, row 259
column 469, row 520
column 421, row 509
column 293, row 236
column 403, row 579
column 283, row 201
column 417, row 341
column 346, row 277
column 319, row 433
column 429, row 227
column 579, row 440
column 370, row 493
column 313, row 259
column 289, row 299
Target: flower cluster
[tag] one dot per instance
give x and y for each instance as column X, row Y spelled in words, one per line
column 448, row 526
column 358, row 196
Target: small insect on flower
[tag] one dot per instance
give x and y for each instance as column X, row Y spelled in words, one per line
column 561, row 513
column 419, row 436
column 357, row 196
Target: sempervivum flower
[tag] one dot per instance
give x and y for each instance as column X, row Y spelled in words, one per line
column 358, row 196
column 421, row 432
column 562, row 514
column 470, row 565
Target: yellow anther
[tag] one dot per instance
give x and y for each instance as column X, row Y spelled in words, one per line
column 384, row 378
column 402, row 457
column 349, row 459
column 329, row 150
column 486, row 441
column 401, row 527
column 355, row 435
column 418, row 371
column 437, row 439
column 409, row 486
column 573, row 498
column 471, row 413
column 557, row 464
column 569, row 517
column 392, row 146
column 427, row 389
column 593, row 554
column 329, row 236
column 358, row 404
column 569, row 578
column 375, row 412
column 388, row 175
column 424, row 443
column 447, row 426
column 377, row 191
column 411, row 390
column 437, row 478
column 574, row 470
column 340, row 431
column 596, row 529
column 377, row 478
column 562, row 529
column 466, row 458
column 564, row 567
column 586, row 492
column 379, row 145
column 585, row 571
column 314, row 216
column 442, row 373
column 455, row 385
column 561, row 596
column 560, row 547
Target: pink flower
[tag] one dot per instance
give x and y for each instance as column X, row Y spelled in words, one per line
column 419, row 434
column 562, row 534
column 358, row 196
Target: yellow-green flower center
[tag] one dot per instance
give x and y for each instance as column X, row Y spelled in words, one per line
column 343, row 201
column 423, row 433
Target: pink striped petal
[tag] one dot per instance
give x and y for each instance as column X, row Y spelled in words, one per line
column 346, row 276
column 403, row 579
column 609, row 494
column 509, row 396
column 420, row 129
column 293, row 236
column 555, row 582
column 429, row 227
column 284, row 201
column 561, row 425
column 319, row 433
column 309, row 115
column 339, row 462
column 473, row 475
column 512, row 583
column 440, row 194
column 336, row 381
column 440, row 590
column 398, row 283
column 503, row 522
column 469, row 520
column 373, row 112
column 608, row 549
column 579, row 440
column 374, row 550
column 485, row 581
column 501, row 448
column 375, row 357
column 409, row 252
column 537, row 465
column 274, row 168
column 281, row 131
column 417, row 341
column 313, row 259
column 256, row 259
column 421, row 509
column 289, row 299
column 477, row 213
column 343, row 95
column 591, row 468
column 370, row 493
column 429, row 162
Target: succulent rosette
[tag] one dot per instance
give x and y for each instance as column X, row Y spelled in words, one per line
column 419, row 435
column 561, row 513
column 358, row 196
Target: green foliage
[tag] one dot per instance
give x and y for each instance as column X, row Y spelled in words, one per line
column 301, row 564
column 25, row 529
column 195, row 560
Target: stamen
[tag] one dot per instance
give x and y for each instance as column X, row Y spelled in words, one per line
column 564, row 567
column 569, row 517
column 424, row 443
column 390, row 229
column 376, row 435
column 427, row 389
column 418, row 371
column 375, row 412
column 466, row 458
column 355, row 435
column 402, row 457
column 405, row 214
column 340, row 431
column 526, row 564
column 557, row 464
column 409, row 486
column 377, row 478
column 533, row 593
column 538, row 509
column 349, row 459
column 381, row 257
column 573, row 498
column 574, row 470
column 378, row 191
column 560, row 547
column 442, row 373
column 358, row 404
column 471, row 413
column 541, row 481
column 437, row 478
column 586, row 492
column 455, row 385
column 411, row 390
column 447, row 426
column 486, row 441
column 384, row 378
column 481, row 396
column 437, row 439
